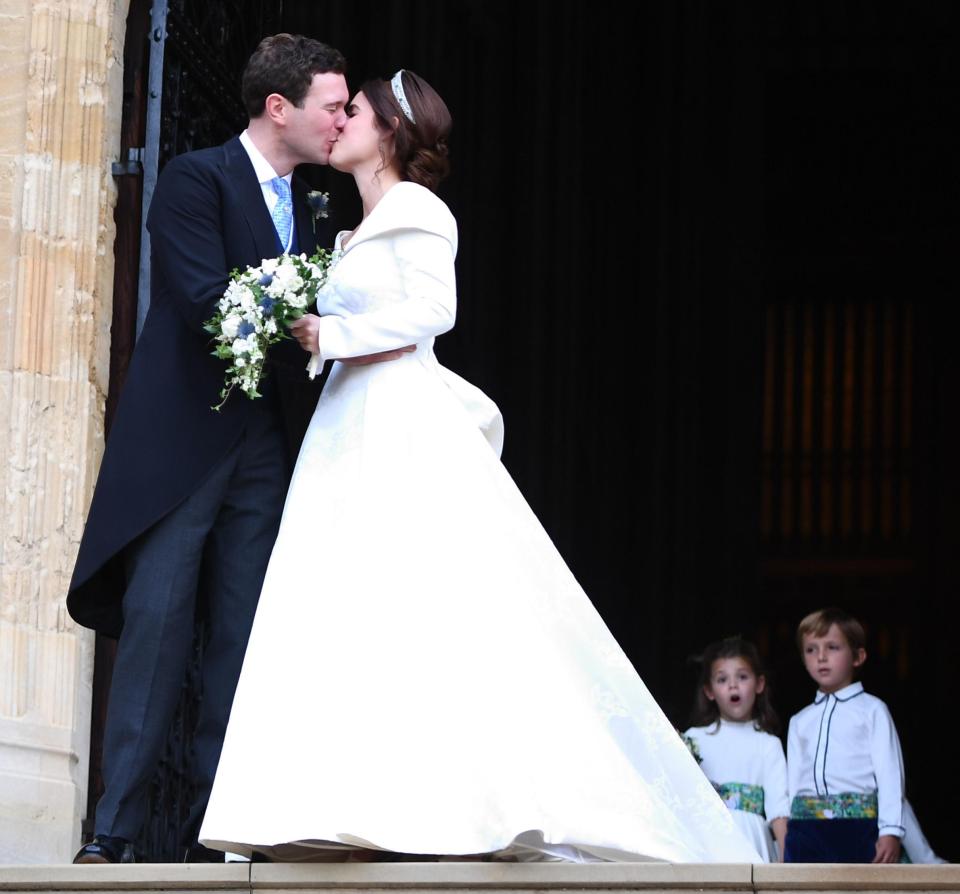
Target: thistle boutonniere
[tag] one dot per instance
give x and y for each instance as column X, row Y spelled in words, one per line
column 319, row 204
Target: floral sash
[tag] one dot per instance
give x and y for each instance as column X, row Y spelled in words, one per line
column 846, row 805
column 741, row 796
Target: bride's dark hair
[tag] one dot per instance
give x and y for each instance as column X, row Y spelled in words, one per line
column 421, row 147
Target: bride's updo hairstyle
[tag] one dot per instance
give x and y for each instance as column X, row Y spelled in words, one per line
column 420, row 137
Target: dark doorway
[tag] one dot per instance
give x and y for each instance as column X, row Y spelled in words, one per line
column 705, row 272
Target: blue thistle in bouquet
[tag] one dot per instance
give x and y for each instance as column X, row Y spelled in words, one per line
column 255, row 311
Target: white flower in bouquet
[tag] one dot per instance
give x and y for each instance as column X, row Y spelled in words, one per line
column 254, row 312
column 275, row 289
column 248, row 299
column 231, row 325
column 295, row 299
column 286, row 271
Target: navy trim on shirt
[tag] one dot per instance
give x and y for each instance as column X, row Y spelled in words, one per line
column 825, row 697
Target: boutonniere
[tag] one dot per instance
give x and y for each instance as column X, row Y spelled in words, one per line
column 319, row 203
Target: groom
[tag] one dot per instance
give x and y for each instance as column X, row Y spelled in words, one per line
column 189, row 500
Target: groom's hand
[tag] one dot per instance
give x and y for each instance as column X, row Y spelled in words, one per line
column 305, row 331
column 364, row 359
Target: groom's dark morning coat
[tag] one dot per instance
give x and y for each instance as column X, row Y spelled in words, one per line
column 207, row 217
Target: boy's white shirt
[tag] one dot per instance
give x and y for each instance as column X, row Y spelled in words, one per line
column 846, row 741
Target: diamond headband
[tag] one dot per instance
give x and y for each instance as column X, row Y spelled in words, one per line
column 396, row 83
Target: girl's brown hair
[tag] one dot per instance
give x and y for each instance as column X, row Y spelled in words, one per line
column 705, row 710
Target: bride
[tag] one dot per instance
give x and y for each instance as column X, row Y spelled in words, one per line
column 425, row 675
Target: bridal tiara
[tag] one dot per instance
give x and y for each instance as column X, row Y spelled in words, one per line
column 396, row 84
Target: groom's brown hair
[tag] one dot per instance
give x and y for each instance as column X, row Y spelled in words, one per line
column 286, row 64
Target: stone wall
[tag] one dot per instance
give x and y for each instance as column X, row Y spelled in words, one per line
column 61, row 70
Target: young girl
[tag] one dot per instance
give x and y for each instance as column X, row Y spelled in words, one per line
column 733, row 736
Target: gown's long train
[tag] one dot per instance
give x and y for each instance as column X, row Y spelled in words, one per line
column 424, row 673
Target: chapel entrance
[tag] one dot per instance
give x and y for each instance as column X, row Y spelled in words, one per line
column 702, row 269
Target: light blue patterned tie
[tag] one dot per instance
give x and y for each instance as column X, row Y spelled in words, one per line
column 282, row 210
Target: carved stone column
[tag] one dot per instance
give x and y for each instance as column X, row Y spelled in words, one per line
column 60, row 64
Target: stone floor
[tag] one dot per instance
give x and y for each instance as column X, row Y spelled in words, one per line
column 465, row 878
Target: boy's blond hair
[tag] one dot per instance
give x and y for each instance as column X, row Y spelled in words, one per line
column 819, row 622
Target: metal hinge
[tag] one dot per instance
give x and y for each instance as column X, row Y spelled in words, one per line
column 133, row 164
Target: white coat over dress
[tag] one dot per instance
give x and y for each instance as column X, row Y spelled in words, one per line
column 424, row 674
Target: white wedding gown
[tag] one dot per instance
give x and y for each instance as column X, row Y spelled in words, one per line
column 424, row 674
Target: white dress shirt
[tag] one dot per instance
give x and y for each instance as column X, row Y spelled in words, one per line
column 265, row 173
column 846, row 742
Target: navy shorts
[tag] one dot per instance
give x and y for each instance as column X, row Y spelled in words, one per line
column 830, row 841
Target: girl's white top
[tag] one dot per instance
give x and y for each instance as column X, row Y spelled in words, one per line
column 739, row 752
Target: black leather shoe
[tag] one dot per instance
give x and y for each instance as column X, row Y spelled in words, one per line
column 197, row 853
column 106, row 849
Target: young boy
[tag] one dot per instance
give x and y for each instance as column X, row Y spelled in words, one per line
column 844, row 765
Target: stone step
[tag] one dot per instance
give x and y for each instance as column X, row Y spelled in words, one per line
column 466, row 878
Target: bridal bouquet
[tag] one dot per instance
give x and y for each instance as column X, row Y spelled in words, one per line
column 256, row 309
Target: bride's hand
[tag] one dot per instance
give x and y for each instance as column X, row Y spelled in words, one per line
column 305, row 332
